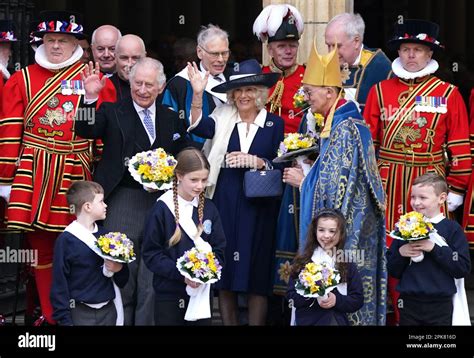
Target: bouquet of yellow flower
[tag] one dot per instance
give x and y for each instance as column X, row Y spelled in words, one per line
column 295, row 141
column 115, row 246
column 298, row 99
column 317, row 280
column 199, row 266
column 296, row 146
column 153, row 169
column 412, row 227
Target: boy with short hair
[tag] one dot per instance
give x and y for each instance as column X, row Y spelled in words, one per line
column 427, row 287
column 83, row 292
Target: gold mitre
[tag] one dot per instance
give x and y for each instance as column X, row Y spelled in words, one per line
column 324, row 70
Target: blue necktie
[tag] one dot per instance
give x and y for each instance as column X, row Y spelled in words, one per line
column 149, row 125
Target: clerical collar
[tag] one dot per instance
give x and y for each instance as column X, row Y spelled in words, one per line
column 41, row 59
column 285, row 72
column 400, row 72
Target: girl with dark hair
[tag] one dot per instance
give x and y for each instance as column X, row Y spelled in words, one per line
column 180, row 220
column 325, row 242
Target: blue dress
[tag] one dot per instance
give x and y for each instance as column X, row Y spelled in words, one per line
column 249, row 224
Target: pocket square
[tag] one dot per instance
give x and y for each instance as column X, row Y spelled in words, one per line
column 176, row 136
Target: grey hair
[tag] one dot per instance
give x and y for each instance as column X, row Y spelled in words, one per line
column 210, row 32
column 260, row 99
column 137, row 38
column 353, row 24
column 94, row 34
column 149, row 63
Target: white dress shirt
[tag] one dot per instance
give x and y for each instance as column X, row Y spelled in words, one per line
column 221, row 79
column 246, row 138
column 141, row 114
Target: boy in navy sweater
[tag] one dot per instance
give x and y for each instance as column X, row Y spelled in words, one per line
column 427, row 287
column 83, row 292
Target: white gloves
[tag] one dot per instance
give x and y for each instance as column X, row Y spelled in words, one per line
column 5, row 191
column 454, row 201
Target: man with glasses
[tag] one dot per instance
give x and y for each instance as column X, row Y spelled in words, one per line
column 213, row 53
column 344, row 177
column 361, row 67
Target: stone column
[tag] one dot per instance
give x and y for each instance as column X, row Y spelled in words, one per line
column 316, row 14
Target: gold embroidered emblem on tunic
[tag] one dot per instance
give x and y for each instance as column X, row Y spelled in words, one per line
column 53, row 117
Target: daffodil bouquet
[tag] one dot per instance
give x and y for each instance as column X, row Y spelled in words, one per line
column 116, row 246
column 297, row 146
column 298, row 99
column 317, row 280
column 199, row 266
column 412, row 226
column 153, row 169
column 296, row 141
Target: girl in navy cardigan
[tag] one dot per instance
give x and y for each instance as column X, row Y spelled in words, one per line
column 326, row 238
column 166, row 237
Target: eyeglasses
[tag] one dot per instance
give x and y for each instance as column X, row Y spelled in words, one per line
column 307, row 92
column 216, row 55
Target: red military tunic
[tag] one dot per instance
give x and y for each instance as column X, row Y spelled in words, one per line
column 468, row 218
column 40, row 155
column 281, row 96
column 411, row 140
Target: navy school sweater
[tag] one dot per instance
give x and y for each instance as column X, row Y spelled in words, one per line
column 432, row 278
column 309, row 313
column 77, row 275
column 160, row 259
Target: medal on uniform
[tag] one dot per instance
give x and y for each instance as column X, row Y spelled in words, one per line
column 68, row 106
column 53, row 102
column 66, row 88
column 78, row 87
column 82, row 90
column 431, row 104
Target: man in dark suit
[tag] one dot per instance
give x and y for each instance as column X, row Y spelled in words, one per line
column 127, row 127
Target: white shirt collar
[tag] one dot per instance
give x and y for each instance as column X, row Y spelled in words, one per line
column 438, row 218
column 140, row 110
column 220, row 75
column 400, row 72
column 184, row 202
column 357, row 61
column 259, row 120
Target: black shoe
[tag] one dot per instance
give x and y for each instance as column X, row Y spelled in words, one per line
column 42, row 322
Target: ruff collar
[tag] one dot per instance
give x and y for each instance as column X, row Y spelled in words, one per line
column 400, row 72
column 40, row 58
